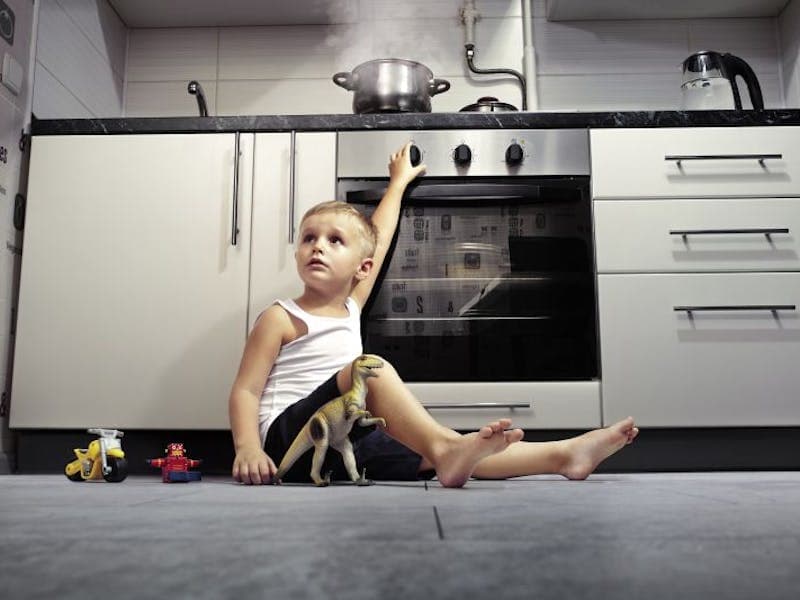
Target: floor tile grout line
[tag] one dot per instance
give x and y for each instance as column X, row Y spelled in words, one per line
column 439, row 527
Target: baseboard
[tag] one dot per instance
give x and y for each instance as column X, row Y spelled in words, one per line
column 721, row 449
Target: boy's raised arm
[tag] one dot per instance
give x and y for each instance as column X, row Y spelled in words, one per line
column 385, row 217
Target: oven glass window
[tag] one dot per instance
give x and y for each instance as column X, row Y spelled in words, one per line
column 493, row 289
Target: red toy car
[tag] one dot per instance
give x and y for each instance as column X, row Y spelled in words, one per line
column 175, row 465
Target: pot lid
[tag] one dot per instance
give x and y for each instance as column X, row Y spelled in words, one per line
column 489, row 104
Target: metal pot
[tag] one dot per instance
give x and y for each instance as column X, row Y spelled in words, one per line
column 391, row 85
column 489, row 104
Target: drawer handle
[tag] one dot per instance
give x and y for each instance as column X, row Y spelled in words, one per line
column 481, row 405
column 678, row 158
column 769, row 307
column 767, row 231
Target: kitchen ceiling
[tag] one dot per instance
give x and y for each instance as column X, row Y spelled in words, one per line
column 242, row 13
column 591, row 10
column 234, row 13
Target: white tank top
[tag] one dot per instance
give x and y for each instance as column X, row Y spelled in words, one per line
column 309, row 361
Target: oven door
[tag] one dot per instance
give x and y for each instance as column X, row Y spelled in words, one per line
column 487, row 282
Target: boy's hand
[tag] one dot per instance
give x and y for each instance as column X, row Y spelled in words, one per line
column 400, row 170
column 253, row 466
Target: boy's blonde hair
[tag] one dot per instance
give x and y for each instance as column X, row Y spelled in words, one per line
column 365, row 227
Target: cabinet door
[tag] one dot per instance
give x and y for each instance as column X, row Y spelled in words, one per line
column 290, row 176
column 696, row 350
column 133, row 293
column 759, row 234
column 695, row 162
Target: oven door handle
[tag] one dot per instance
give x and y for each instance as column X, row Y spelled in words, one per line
column 495, row 405
column 460, row 192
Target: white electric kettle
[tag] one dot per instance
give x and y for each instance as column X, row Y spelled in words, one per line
column 709, row 82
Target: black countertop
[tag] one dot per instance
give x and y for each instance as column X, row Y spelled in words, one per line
column 412, row 121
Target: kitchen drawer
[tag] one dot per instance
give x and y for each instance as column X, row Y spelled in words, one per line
column 697, row 235
column 701, row 350
column 529, row 404
column 699, row 162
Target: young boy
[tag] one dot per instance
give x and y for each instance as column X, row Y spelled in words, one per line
column 298, row 357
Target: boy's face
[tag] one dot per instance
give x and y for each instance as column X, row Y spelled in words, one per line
column 330, row 250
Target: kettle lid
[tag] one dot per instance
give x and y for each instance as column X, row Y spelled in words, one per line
column 706, row 63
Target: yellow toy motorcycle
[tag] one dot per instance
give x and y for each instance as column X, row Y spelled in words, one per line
column 103, row 458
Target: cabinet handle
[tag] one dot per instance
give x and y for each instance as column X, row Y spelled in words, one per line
column 767, row 231
column 292, row 149
column 735, row 307
column 481, row 405
column 678, row 158
column 235, row 219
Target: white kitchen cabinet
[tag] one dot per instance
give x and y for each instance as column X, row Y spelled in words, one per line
column 698, row 275
column 529, row 405
column 133, row 294
column 289, row 177
column 654, row 236
column 695, row 162
column 135, row 302
column 701, row 350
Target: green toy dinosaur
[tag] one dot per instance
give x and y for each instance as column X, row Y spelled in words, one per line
column 331, row 424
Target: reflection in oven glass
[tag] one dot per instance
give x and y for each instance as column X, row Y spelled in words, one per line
column 488, row 293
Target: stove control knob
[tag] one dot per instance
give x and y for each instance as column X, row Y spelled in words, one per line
column 514, row 155
column 462, row 155
column 415, row 155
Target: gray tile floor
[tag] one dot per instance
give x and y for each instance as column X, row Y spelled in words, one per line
column 682, row 535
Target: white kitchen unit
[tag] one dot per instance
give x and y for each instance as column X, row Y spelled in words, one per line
column 135, row 290
column 133, row 294
column 535, row 405
column 696, row 162
column 698, row 261
column 291, row 173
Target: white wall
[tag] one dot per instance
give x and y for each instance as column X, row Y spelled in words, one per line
column 80, row 60
column 13, row 119
column 583, row 65
column 789, row 28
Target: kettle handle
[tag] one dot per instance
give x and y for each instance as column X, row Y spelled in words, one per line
column 344, row 79
column 737, row 66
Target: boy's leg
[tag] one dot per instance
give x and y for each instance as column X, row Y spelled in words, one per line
column 452, row 455
column 574, row 458
column 489, row 453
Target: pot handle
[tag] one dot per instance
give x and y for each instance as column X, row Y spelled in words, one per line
column 344, row 79
column 438, row 86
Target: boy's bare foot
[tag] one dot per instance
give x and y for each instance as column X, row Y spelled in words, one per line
column 587, row 451
column 457, row 460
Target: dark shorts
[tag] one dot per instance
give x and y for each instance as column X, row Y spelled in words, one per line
column 383, row 457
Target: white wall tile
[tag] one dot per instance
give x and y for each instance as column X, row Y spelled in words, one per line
column 609, row 92
column 465, row 90
column 591, row 47
column 754, row 40
column 102, row 27
column 582, row 65
column 439, row 44
column 53, row 100
column 74, row 61
column 311, row 51
column 443, row 9
column 282, row 97
column 789, row 31
column 172, row 54
column 167, row 99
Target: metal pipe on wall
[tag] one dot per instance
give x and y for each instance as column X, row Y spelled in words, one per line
column 529, row 57
column 527, row 79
